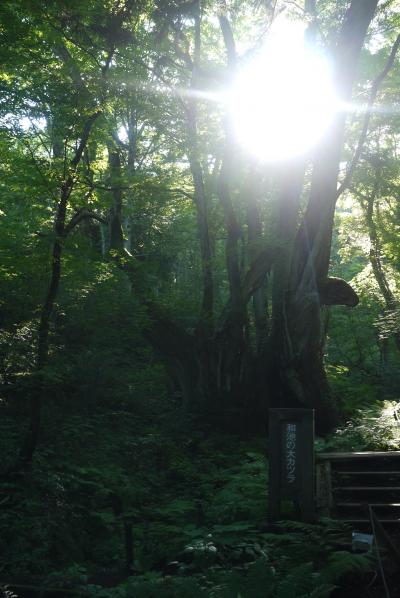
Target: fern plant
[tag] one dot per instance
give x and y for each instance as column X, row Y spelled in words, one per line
column 374, row 428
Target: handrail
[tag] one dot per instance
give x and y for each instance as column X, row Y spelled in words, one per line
column 395, row 413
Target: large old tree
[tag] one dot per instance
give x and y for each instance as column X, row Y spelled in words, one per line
column 218, row 364
column 134, row 150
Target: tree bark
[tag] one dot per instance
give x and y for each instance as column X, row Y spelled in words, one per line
column 300, row 375
column 116, row 236
column 42, row 355
column 206, row 324
column 254, row 228
column 200, row 200
column 391, row 303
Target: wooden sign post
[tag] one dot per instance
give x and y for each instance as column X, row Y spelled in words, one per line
column 291, row 462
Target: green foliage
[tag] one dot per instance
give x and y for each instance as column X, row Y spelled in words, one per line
column 150, row 586
column 374, row 428
column 341, row 564
column 259, row 579
column 119, row 450
column 262, row 579
column 351, row 390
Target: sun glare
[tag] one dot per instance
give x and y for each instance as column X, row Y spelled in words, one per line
column 283, row 101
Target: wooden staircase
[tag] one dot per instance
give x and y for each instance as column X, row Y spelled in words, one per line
column 348, row 482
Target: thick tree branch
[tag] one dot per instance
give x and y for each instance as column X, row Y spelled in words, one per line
column 255, row 276
column 78, row 217
column 133, row 187
column 314, row 238
column 75, row 74
column 223, row 187
column 118, row 141
column 374, row 92
column 229, row 40
column 84, row 138
column 205, row 324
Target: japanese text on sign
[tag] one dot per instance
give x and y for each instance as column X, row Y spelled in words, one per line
column 290, row 452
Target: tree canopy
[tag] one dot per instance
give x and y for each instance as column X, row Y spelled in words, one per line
column 156, row 263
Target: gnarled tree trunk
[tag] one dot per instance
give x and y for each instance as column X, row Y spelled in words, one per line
column 298, row 359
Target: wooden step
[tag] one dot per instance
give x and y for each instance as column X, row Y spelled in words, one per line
column 365, row 504
column 367, row 488
column 360, row 455
column 349, row 482
column 367, row 520
column 366, row 472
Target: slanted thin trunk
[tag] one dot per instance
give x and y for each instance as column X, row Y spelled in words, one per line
column 391, row 303
column 232, row 226
column 231, row 334
column 206, row 324
column 116, row 237
column 200, row 200
column 254, row 227
column 132, row 130
column 132, row 140
column 61, row 230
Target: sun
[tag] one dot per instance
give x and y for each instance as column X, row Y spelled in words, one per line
column 283, row 100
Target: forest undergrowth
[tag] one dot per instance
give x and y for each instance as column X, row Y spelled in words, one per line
column 162, row 286
column 118, row 506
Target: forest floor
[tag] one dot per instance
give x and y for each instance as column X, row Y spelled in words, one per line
column 111, row 512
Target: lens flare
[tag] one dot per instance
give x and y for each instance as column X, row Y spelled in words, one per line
column 282, row 102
